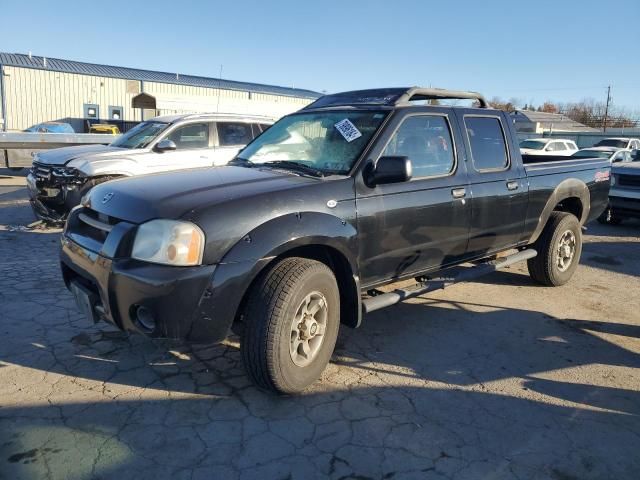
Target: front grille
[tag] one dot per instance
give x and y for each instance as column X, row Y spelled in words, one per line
column 93, row 224
column 629, row 180
column 41, row 172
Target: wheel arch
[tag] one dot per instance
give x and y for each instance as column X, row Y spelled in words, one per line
column 572, row 196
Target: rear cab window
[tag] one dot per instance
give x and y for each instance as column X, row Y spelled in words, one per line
column 487, row 142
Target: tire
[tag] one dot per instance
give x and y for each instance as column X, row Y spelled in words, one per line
column 552, row 266
column 275, row 356
column 608, row 217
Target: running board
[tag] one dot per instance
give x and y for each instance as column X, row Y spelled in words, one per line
column 382, row 300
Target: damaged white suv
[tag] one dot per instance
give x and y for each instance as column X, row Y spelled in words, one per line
column 59, row 178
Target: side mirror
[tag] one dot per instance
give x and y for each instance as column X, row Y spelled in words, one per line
column 388, row 170
column 165, row 145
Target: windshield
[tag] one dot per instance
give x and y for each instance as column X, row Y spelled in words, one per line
column 141, row 135
column 611, row 142
column 329, row 142
column 532, row 144
column 592, row 154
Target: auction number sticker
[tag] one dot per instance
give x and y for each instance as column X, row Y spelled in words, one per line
column 348, row 130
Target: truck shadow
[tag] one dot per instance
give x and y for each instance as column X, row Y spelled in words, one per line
column 410, row 392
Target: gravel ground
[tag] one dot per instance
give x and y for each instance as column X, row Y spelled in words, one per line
column 495, row 379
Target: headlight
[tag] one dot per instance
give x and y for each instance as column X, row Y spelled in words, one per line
column 169, row 242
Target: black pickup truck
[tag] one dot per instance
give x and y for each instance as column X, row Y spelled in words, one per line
column 355, row 191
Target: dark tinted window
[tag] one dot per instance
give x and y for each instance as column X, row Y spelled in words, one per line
column 486, row 139
column 264, row 126
column 234, row 133
column 426, row 140
column 256, row 129
column 193, row 135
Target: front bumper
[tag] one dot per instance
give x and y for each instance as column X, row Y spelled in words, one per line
column 52, row 201
column 179, row 298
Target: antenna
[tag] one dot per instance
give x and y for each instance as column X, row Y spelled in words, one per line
column 219, row 86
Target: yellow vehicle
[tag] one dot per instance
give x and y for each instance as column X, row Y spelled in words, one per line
column 104, row 128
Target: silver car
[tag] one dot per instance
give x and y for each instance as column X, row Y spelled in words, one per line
column 59, row 178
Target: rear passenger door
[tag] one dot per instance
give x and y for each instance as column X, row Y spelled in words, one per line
column 407, row 228
column 232, row 137
column 498, row 190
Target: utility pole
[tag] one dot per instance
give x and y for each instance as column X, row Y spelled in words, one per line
column 606, row 110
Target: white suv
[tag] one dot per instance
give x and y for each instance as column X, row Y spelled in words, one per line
column 548, row 146
column 60, row 177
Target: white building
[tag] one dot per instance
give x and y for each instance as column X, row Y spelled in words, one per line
column 37, row 89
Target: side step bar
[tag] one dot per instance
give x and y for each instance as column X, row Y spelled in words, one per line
column 383, row 300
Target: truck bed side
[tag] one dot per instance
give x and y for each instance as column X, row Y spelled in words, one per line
column 577, row 186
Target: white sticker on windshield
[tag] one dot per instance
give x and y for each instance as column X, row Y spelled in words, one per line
column 348, row 130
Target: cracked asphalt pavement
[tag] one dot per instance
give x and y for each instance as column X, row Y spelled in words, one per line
column 496, row 379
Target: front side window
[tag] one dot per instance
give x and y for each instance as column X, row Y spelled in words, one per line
column 329, row 141
column 190, row 136
column 426, row 140
column 234, row 134
column 486, row 139
column 557, row 146
column 141, row 135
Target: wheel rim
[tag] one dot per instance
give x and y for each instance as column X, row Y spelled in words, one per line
column 566, row 250
column 308, row 327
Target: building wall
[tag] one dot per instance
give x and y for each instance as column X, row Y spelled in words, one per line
column 34, row 96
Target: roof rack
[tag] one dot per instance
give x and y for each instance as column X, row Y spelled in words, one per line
column 419, row 93
column 393, row 97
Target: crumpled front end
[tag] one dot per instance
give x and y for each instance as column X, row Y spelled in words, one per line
column 55, row 190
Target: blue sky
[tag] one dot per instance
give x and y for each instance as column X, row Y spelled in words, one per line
column 533, row 51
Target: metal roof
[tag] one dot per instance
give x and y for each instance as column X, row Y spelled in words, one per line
column 71, row 66
column 559, row 121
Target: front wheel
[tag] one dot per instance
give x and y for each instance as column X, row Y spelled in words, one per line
column 559, row 248
column 291, row 325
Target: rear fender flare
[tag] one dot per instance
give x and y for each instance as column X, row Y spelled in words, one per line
column 569, row 188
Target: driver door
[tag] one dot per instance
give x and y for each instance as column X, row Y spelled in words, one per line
column 410, row 227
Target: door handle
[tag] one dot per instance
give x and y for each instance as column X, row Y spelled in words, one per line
column 513, row 185
column 458, row 192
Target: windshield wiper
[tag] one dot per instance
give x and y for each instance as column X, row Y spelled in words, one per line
column 297, row 166
column 241, row 162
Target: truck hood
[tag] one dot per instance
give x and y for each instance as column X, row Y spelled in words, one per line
column 175, row 194
column 628, row 168
column 64, row 155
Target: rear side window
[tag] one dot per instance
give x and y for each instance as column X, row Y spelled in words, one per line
column 486, row 139
column 426, row 140
column 234, row 133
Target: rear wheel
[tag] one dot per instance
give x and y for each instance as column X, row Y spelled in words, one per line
column 291, row 325
column 559, row 248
